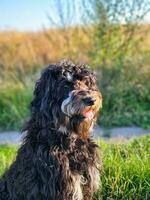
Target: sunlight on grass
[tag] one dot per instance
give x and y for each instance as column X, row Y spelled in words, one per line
column 7, row 155
column 126, row 168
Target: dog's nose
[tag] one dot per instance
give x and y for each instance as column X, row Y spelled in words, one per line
column 89, row 101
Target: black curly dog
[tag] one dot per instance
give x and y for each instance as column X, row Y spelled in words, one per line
column 58, row 159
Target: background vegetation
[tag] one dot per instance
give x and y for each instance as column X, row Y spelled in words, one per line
column 110, row 36
column 126, row 170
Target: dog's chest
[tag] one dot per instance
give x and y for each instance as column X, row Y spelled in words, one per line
column 84, row 162
column 85, row 182
column 79, row 156
column 80, row 164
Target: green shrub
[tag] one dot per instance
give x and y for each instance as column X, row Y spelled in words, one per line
column 126, row 97
column 125, row 88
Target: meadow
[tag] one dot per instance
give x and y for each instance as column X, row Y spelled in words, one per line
column 119, row 53
column 123, row 78
column 126, row 169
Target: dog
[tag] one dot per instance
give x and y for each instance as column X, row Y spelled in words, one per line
column 58, row 159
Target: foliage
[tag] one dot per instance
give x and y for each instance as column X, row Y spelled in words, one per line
column 126, row 171
column 124, row 83
column 126, row 97
column 7, row 156
column 116, row 28
column 14, row 105
column 29, row 50
column 125, row 90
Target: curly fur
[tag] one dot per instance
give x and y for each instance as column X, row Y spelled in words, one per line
column 58, row 160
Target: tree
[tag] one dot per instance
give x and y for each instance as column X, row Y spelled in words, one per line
column 116, row 27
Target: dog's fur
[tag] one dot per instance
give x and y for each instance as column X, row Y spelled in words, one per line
column 58, row 159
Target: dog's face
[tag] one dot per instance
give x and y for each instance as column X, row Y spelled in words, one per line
column 68, row 96
column 82, row 101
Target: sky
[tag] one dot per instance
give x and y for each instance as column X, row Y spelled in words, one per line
column 28, row 15
column 24, row 14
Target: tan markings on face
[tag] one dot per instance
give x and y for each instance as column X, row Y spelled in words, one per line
column 98, row 103
column 80, row 85
column 76, row 104
column 84, row 129
column 86, row 124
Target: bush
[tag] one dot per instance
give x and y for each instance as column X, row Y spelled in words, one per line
column 125, row 88
column 123, row 75
column 126, row 98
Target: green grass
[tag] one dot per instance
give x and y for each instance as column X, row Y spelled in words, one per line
column 125, row 89
column 7, row 155
column 126, row 169
column 126, row 100
column 126, row 97
column 14, row 105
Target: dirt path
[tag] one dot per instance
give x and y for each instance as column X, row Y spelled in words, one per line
column 118, row 134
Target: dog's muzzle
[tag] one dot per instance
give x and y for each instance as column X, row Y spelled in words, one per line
column 83, row 103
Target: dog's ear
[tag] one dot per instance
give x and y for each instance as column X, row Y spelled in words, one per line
column 45, row 87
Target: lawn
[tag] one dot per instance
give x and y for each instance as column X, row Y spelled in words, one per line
column 126, row 169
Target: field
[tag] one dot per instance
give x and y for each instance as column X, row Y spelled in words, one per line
column 126, row 98
column 126, row 169
column 122, row 74
column 113, row 38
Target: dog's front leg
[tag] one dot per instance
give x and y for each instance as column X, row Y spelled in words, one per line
column 92, row 184
column 56, row 180
column 87, row 191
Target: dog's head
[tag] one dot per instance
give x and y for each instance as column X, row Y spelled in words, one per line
column 66, row 97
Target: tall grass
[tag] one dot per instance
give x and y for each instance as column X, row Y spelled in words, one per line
column 7, row 155
column 14, row 105
column 126, row 97
column 125, row 90
column 126, row 169
column 124, row 83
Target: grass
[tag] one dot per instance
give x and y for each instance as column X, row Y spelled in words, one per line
column 14, row 104
column 126, row 98
column 124, row 81
column 126, row 170
column 125, row 88
column 7, row 155
column 126, row 173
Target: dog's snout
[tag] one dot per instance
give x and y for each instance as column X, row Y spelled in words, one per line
column 89, row 101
